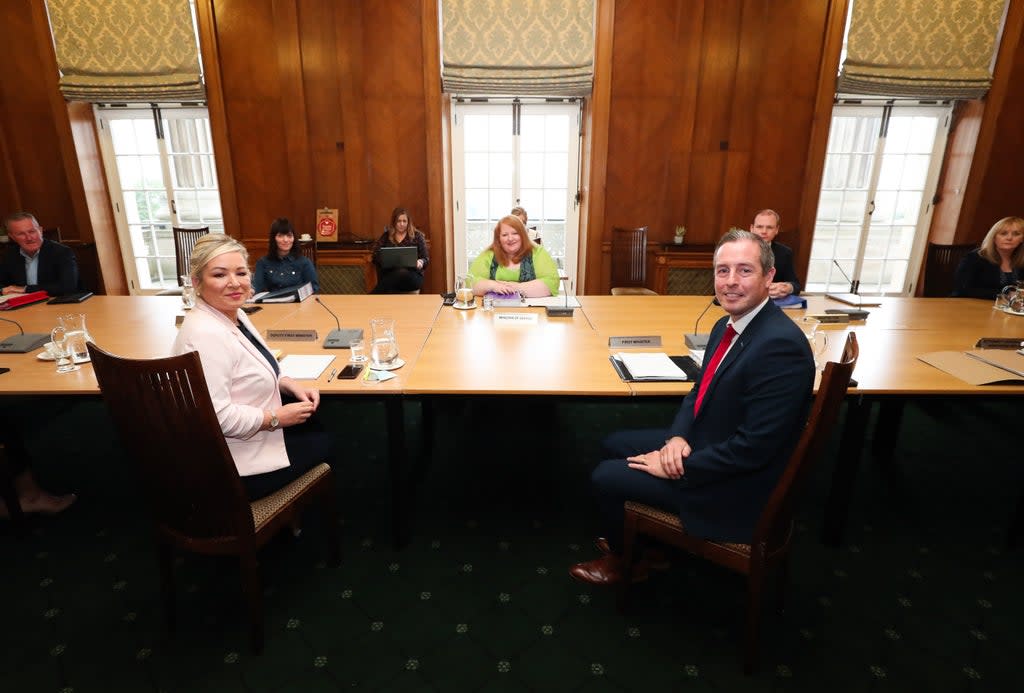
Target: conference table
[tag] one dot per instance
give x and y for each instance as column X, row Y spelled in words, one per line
column 522, row 351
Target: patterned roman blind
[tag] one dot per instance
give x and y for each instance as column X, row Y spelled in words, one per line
column 517, row 47
column 921, row 48
column 125, row 50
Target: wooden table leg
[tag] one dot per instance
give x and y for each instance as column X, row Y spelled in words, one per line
column 398, row 456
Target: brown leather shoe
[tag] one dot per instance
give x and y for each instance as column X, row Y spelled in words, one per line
column 607, row 570
column 656, row 558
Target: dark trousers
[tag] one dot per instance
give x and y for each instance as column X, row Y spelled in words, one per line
column 398, row 281
column 614, row 483
column 307, row 444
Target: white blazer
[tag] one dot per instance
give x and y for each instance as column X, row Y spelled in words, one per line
column 242, row 386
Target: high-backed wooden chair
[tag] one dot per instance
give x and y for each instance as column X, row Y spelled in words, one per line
column 629, row 262
column 163, row 411
column 52, row 234
column 184, row 242
column 940, row 264
column 770, row 546
column 308, row 249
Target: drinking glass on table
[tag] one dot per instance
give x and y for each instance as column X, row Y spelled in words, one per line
column 188, row 292
column 76, row 336
column 59, row 340
column 383, row 345
column 357, row 351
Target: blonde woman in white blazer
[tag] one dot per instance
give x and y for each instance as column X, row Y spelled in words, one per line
column 271, row 438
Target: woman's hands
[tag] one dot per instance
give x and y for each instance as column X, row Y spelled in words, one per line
column 296, row 412
column 483, row 286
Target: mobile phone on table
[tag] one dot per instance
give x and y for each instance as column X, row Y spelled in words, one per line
column 350, row 371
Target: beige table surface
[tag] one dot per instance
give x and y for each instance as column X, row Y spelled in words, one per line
column 472, row 352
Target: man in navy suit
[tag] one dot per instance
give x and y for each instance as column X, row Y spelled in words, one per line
column 717, row 464
column 33, row 263
column 767, row 224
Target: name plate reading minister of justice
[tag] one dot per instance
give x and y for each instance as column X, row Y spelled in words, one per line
column 632, row 342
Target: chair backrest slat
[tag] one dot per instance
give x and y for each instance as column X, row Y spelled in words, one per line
column 629, row 257
column 776, row 518
column 184, row 242
column 163, row 411
column 941, row 263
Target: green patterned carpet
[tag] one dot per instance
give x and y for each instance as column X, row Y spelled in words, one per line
column 923, row 597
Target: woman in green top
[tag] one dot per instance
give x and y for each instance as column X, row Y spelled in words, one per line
column 512, row 263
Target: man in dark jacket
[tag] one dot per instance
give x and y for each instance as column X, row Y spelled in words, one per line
column 33, row 263
column 767, row 224
column 717, row 463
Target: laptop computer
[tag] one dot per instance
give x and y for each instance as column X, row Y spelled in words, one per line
column 401, row 256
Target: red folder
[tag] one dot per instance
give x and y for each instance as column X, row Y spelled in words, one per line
column 18, row 300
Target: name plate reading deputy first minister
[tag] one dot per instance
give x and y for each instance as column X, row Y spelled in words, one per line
column 292, row 335
column 631, row 342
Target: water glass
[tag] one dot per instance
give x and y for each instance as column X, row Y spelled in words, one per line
column 357, row 351
column 383, row 345
column 188, row 292
column 76, row 336
column 58, row 338
column 488, row 302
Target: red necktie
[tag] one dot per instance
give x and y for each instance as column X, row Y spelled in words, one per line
column 716, row 358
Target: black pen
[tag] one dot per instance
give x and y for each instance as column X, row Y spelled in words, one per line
column 333, row 371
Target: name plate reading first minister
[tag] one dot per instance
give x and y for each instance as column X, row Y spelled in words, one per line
column 292, row 335
column 631, row 342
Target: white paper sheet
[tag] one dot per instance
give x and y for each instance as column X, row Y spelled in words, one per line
column 650, row 366
column 556, row 301
column 305, row 366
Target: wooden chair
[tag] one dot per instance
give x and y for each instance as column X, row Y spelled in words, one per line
column 629, row 262
column 308, row 249
column 163, row 411
column 184, row 242
column 52, row 234
column 769, row 549
column 940, row 264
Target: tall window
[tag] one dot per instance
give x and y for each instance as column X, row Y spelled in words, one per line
column 509, row 155
column 161, row 173
column 881, row 171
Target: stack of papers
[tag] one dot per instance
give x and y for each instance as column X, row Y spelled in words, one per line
column 650, row 366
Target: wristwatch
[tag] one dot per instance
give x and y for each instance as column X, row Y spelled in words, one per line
column 274, row 423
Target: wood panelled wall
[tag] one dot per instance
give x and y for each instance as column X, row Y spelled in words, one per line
column 325, row 105
column 703, row 112
column 709, row 118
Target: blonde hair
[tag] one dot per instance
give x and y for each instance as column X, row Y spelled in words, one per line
column 208, row 247
column 988, row 245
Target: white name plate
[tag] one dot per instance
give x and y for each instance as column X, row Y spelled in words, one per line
column 516, row 317
column 292, row 335
column 631, row 342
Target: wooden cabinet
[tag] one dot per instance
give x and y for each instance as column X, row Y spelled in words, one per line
column 684, row 269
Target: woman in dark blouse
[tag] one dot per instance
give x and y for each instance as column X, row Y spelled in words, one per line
column 997, row 263
column 400, row 232
column 283, row 265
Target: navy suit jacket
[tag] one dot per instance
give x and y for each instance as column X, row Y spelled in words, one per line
column 57, row 269
column 976, row 277
column 749, row 422
column 784, row 271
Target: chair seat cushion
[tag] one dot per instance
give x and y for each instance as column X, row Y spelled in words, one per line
column 265, row 508
column 632, row 291
column 672, row 521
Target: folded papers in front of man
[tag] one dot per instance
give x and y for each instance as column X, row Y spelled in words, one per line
column 653, row 367
column 289, row 294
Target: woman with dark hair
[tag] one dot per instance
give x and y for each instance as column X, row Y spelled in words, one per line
column 283, row 265
column 400, row 232
column 997, row 263
column 513, row 263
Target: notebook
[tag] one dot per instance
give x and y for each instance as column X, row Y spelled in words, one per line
column 15, row 301
column 71, row 298
column 400, row 256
